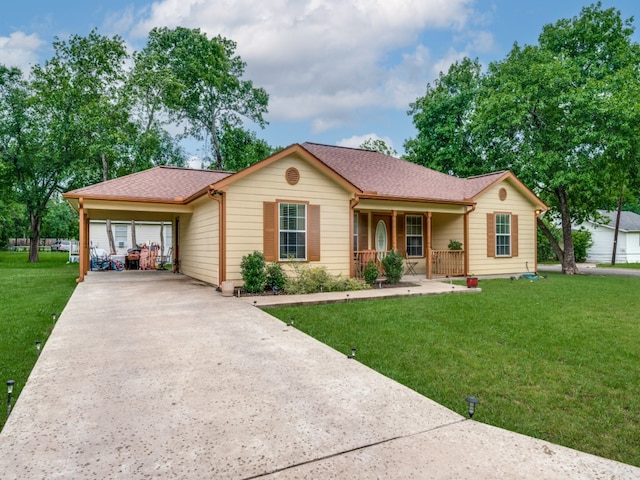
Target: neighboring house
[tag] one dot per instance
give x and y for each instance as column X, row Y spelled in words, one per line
column 328, row 206
column 602, row 233
column 146, row 232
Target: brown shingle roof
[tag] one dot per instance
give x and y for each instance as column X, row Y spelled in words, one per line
column 167, row 184
column 386, row 176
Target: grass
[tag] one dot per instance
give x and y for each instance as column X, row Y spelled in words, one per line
column 556, row 359
column 619, row 265
column 30, row 293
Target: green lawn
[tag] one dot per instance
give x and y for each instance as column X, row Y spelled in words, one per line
column 557, row 359
column 30, row 293
column 619, row 265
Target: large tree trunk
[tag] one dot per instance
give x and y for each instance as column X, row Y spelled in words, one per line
column 162, row 245
column 569, row 266
column 552, row 239
column 134, row 240
column 105, row 177
column 35, row 222
column 617, row 229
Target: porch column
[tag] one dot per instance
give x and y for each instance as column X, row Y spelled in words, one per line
column 466, row 240
column 394, row 230
column 427, row 217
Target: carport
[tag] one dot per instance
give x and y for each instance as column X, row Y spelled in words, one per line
column 159, row 194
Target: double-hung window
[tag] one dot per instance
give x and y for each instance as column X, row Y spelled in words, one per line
column 121, row 236
column 503, row 234
column 293, row 231
column 414, row 235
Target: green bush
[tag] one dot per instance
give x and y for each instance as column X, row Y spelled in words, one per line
column 454, row 245
column 253, row 272
column 370, row 272
column 276, row 278
column 393, row 265
column 581, row 243
column 317, row 279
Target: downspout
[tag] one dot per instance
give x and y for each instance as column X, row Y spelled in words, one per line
column 466, row 239
column 429, row 259
column 353, row 203
column 222, row 228
column 394, row 230
column 81, row 248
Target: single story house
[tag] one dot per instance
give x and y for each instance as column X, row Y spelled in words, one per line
column 602, row 234
column 328, row 206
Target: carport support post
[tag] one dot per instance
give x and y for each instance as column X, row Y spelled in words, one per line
column 81, row 248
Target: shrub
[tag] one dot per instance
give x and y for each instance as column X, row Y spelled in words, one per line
column 253, row 272
column 393, row 264
column 370, row 272
column 317, row 279
column 454, row 245
column 275, row 276
column 581, row 243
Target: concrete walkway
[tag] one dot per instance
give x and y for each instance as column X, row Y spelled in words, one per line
column 160, row 377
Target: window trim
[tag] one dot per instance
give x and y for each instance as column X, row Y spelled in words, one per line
column 508, row 236
column 407, row 235
column 305, row 231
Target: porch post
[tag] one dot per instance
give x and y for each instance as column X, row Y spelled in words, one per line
column 429, row 256
column 394, row 230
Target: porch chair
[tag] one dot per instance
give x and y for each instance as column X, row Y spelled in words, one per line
column 410, row 265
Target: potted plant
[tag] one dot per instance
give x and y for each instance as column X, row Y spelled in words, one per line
column 472, row 281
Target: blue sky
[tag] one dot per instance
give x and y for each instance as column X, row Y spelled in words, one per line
column 337, row 71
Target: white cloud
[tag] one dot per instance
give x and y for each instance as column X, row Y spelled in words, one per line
column 320, row 60
column 357, row 140
column 20, row 50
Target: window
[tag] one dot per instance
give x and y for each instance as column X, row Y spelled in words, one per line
column 414, row 235
column 503, row 235
column 121, row 236
column 355, row 232
column 293, row 231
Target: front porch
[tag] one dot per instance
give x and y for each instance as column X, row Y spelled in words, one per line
column 443, row 263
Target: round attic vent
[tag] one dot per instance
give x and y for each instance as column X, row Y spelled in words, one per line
column 292, row 175
column 502, row 194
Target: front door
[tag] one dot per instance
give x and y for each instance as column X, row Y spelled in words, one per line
column 381, row 234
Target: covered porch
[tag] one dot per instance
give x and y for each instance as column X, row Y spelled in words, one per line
column 422, row 233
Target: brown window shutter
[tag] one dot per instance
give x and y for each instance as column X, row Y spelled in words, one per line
column 313, row 235
column 363, row 231
column 401, row 241
column 491, row 235
column 270, row 231
column 514, row 235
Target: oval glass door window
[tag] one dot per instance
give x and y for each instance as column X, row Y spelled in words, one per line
column 381, row 239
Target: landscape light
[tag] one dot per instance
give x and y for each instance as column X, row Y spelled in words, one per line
column 472, row 401
column 353, row 353
column 10, row 384
column 54, row 316
column 38, row 345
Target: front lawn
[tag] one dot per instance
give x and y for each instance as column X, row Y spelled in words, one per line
column 557, row 359
column 31, row 292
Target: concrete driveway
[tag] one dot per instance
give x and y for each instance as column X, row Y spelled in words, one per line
column 157, row 376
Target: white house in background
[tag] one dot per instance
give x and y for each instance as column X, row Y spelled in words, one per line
column 146, row 232
column 602, row 231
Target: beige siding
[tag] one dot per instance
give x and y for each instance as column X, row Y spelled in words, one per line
column 245, row 198
column 199, row 241
column 516, row 204
column 445, row 227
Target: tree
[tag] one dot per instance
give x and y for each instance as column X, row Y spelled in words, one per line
column 378, row 145
column 562, row 115
column 201, row 86
column 241, row 148
column 443, row 120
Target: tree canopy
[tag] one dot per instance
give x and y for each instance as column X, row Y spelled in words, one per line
column 93, row 112
column 202, row 86
column 562, row 115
